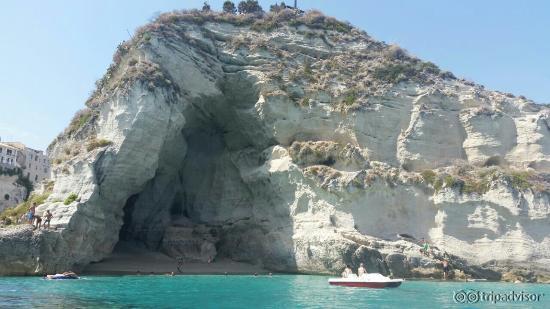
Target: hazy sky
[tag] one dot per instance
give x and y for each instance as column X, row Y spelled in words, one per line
column 53, row 51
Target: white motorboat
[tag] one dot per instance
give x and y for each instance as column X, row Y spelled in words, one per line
column 373, row 280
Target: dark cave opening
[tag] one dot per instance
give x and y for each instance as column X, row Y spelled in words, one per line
column 198, row 204
column 126, row 231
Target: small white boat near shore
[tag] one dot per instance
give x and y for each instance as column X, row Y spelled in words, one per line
column 373, row 280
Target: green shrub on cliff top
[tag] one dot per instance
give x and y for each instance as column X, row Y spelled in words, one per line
column 249, row 7
column 229, row 7
column 397, row 72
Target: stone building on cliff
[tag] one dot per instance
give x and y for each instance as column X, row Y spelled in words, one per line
column 17, row 162
column 34, row 164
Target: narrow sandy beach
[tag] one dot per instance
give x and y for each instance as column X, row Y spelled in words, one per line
column 127, row 259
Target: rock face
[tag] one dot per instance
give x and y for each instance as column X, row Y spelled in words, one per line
column 295, row 142
column 11, row 193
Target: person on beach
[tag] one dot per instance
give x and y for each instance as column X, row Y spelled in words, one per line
column 445, row 269
column 48, row 217
column 347, row 272
column 361, row 271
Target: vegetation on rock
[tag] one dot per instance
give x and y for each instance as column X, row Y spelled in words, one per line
column 71, row 198
column 80, row 119
column 474, row 180
column 97, row 143
column 249, row 7
column 229, row 7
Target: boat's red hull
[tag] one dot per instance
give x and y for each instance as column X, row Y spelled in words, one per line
column 374, row 285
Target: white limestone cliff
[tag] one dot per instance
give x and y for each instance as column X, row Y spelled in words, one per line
column 297, row 149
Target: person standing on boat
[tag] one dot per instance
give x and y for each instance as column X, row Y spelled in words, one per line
column 361, row 271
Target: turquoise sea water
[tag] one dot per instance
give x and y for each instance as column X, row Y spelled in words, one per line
column 279, row 291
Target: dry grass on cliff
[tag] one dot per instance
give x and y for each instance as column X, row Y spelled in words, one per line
column 150, row 74
column 258, row 22
column 80, row 119
column 97, row 143
column 475, row 180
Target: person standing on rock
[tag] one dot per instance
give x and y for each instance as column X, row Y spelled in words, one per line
column 48, row 217
column 445, row 269
column 29, row 216
column 33, row 209
column 38, row 220
column 425, row 247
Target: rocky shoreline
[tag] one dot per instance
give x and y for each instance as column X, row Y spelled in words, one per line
column 128, row 259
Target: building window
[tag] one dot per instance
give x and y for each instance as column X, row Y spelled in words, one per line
column 35, row 178
column 0, row 149
column 8, row 152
